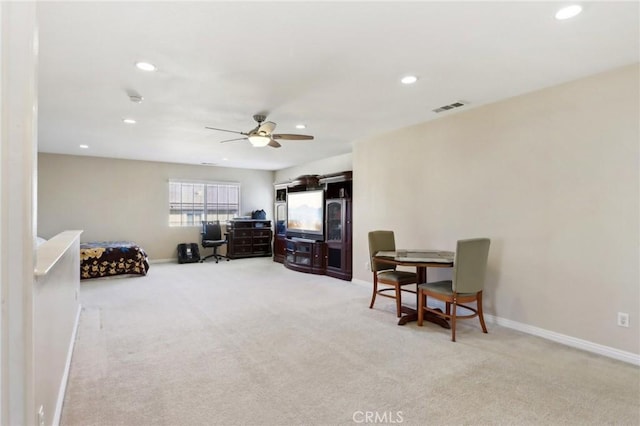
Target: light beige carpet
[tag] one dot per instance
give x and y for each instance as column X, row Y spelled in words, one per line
column 250, row 342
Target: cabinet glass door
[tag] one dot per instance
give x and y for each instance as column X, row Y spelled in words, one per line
column 334, row 220
column 281, row 218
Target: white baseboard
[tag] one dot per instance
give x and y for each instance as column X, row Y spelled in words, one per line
column 65, row 377
column 574, row 342
column 170, row 260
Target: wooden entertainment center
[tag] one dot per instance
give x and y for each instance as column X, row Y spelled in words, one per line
column 329, row 251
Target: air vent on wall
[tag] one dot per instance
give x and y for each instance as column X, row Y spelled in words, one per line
column 450, row 106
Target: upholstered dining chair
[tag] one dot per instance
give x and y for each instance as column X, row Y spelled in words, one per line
column 467, row 284
column 388, row 274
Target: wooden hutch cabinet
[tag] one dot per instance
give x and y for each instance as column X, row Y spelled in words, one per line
column 248, row 238
column 338, row 225
column 338, row 238
column 332, row 254
column 280, row 225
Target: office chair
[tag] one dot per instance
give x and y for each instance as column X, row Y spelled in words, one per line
column 385, row 273
column 212, row 237
column 469, row 269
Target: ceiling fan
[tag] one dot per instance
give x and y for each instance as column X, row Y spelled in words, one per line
column 262, row 134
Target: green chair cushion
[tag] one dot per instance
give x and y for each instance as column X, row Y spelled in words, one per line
column 441, row 287
column 398, row 276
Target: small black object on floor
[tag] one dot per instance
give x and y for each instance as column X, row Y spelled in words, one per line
column 188, row 253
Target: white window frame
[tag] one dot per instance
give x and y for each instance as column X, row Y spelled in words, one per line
column 196, row 205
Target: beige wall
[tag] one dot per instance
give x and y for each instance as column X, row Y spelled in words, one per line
column 551, row 177
column 111, row 199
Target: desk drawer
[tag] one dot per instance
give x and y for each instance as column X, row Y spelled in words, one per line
column 239, row 233
column 241, row 241
column 237, row 250
column 261, row 240
column 262, row 248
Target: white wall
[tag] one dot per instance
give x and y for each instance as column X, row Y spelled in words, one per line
column 18, row 118
column 56, row 312
column 551, row 177
column 111, row 199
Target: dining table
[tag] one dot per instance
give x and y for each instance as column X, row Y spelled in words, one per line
column 421, row 259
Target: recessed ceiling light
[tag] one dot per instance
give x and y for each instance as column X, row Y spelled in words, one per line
column 145, row 66
column 300, row 126
column 129, row 121
column 83, row 146
column 568, row 12
column 409, row 79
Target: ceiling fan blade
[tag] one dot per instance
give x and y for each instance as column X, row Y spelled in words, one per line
column 225, row 130
column 231, row 140
column 292, row 137
column 267, row 126
column 274, row 144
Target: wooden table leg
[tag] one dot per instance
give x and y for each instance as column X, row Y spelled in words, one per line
column 412, row 315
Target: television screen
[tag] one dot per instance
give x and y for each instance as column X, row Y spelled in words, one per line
column 305, row 214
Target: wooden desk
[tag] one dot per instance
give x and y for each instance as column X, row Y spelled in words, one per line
column 248, row 238
column 421, row 260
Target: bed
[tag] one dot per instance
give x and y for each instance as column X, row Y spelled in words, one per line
column 112, row 258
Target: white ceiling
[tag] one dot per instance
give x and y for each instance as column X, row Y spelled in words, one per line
column 333, row 66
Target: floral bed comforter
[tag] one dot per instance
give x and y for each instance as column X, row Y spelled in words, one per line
column 109, row 258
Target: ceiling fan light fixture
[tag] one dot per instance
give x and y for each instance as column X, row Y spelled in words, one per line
column 263, row 134
column 568, row 12
column 259, row 141
column 146, row 66
column 409, row 79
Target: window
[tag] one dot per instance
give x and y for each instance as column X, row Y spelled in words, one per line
column 190, row 203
